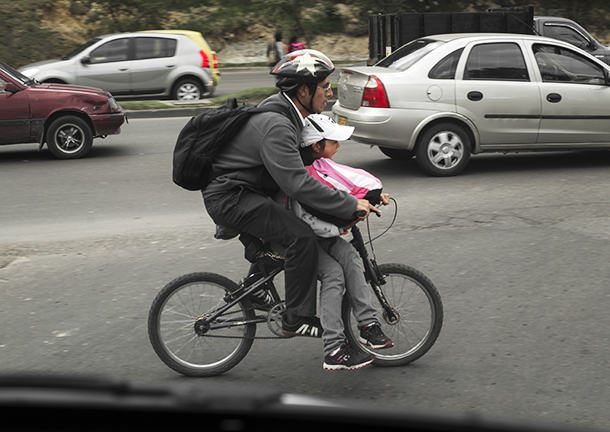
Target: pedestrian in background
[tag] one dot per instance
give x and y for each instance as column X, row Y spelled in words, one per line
column 275, row 50
column 295, row 45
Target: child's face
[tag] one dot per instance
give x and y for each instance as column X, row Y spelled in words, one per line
column 330, row 148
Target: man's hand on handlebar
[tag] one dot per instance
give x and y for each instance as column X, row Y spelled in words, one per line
column 364, row 208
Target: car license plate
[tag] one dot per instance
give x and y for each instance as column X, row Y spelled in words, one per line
column 342, row 121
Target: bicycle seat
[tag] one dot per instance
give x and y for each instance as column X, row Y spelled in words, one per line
column 224, row 233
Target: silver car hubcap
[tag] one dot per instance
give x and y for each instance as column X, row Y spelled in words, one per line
column 70, row 138
column 188, row 92
column 445, row 150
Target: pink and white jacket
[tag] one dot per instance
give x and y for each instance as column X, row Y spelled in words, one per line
column 355, row 181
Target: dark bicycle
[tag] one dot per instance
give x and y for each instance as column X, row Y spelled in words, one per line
column 203, row 324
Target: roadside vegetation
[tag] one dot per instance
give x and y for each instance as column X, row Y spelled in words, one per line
column 35, row 30
column 253, row 96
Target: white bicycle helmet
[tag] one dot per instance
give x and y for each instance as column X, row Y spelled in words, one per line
column 301, row 67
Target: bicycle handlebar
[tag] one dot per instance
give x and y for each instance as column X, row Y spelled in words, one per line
column 362, row 213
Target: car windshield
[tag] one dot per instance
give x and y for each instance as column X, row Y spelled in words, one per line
column 18, row 76
column 81, row 48
column 407, row 55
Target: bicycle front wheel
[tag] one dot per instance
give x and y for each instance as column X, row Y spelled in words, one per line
column 186, row 340
column 419, row 311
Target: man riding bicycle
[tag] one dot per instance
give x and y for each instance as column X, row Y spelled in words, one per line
column 263, row 159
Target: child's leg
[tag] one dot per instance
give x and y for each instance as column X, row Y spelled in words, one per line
column 332, row 287
column 359, row 291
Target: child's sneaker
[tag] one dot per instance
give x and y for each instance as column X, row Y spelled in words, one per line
column 372, row 336
column 347, row 358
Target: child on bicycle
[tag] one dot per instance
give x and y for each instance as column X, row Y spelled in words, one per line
column 339, row 265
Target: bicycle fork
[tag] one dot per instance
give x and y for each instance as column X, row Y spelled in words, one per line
column 373, row 276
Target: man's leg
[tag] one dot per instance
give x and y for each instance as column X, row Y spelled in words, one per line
column 261, row 217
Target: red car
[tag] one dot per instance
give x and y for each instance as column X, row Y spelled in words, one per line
column 66, row 117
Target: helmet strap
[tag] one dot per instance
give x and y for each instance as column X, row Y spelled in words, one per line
column 311, row 103
column 309, row 110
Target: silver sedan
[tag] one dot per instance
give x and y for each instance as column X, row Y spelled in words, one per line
column 442, row 98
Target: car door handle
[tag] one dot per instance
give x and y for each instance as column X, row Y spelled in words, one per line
column 124, row 69
column 169, row 66
column 553, row 97
column 475, row 96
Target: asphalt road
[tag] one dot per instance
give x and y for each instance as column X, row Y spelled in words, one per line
column 517, row 247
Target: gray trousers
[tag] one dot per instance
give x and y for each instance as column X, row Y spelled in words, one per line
column 340, row 270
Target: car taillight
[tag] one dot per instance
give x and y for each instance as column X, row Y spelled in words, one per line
column 215, row 61
column 374, row 95
column 205, row 62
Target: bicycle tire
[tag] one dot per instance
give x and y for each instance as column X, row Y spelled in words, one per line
column 418, row 304
column 177, row 342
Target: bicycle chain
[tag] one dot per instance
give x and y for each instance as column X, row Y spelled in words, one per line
column 279, row 305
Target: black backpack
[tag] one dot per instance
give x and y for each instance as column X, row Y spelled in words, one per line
column 204, row 136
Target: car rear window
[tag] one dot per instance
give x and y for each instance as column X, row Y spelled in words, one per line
column 148, row 47
column 496, row 61
column 407, row 55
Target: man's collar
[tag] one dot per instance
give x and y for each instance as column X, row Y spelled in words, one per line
column 295, row 108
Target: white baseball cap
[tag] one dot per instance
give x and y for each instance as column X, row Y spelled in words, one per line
column 320, row 126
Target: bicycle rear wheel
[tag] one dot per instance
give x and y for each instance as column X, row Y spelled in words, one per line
column 185, row 340
column 417, row 304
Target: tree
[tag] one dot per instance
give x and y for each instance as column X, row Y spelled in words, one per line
column 129, row 15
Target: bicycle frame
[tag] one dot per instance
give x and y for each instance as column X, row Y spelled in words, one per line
column 233, row 298
column 371, row 271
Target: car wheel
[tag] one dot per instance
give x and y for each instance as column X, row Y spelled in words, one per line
column 443, row 150
column 397, row 153
column 209, row 92
column 69, row 137
column 187, row 89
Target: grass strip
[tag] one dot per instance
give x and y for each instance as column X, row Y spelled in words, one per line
column 253, row 96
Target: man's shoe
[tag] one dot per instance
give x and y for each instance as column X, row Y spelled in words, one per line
column 347, row 358
column 372, row 336
column 304, row 326
column 261, row 298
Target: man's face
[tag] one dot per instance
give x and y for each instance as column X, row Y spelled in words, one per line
column 322, row 93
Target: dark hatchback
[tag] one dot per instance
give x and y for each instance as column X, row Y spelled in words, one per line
column 65, row 117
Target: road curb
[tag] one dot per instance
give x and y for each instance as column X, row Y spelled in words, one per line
column 180, row 112
column 161, row 113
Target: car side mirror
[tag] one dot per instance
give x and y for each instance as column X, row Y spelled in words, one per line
column 86, row 60
column 8, row 87
column 606, row 76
